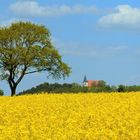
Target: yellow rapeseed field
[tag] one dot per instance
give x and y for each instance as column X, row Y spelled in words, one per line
column 112, row 116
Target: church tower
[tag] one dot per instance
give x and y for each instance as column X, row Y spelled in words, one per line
column 85, row 82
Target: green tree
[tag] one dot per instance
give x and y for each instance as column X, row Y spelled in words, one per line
column 1, row 92
column 26, row 48
column 102, row 83
column 121, row 88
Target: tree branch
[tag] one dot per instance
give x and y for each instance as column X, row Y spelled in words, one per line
column 11, row 86
column 22, row 75
column 31, row 72
column 11, row 79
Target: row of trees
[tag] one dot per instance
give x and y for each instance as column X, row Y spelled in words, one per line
column 76, row 88
column 122, row 88
column 55, row 88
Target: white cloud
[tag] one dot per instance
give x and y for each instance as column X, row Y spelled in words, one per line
column 124, row 16
column 32, row 8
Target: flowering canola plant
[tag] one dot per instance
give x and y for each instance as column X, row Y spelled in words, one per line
column 105, row 116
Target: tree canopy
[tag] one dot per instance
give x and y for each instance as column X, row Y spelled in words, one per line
column 26, row 48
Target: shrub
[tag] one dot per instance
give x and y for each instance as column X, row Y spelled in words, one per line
column 1, row 92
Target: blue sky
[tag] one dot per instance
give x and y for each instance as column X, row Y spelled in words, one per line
column 99, row 39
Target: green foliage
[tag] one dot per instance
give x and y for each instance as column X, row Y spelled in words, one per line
column 26, row 48
column 121, row 88
column 66, row 88
column 76, row 88
column 133, row 88
column 102, row 83
column 54, row 88
column 1, row 92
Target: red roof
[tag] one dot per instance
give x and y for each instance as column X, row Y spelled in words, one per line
column 93, row 83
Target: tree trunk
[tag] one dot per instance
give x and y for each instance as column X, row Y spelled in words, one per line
column 12, row 83
column 13, row 87
column 13, row 91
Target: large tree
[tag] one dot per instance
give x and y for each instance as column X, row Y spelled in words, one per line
column 26, row 48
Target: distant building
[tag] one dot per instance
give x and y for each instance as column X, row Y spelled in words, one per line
column 90, row 83
column 85, row 82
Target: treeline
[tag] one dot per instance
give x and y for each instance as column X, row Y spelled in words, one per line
column 122, row 88
column 55, row 88
column 76, row 88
